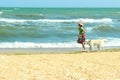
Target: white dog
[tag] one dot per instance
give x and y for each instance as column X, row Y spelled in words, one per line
column 98, row 42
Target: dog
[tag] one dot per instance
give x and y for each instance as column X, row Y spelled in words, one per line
column 98, row 42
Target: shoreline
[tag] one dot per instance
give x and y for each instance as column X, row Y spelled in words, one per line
column 53, row 50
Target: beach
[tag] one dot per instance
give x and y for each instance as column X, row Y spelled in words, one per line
column 41, row 44
column 55, row 64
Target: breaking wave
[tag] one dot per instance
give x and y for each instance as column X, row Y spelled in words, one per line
column 110, row 42
column 103, row 20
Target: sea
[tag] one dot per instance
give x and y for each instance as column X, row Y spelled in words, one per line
column 57, row 27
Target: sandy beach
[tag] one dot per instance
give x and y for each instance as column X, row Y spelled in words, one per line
column 59, row 65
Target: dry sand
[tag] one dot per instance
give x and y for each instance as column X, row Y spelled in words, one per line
column 99, row 65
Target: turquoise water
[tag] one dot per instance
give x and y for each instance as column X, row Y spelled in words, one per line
column 57, row 27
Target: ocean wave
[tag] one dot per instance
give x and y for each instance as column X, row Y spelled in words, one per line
column 103, row 20
column 7, row 32
column 106, row 29
column 85, row 20
column 111, row 42
column 11, row 20
column 118, row 12
column 7, row 10
column 37, row 45
column 34, row 16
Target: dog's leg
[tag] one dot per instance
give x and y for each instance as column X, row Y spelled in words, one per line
column 90, row 47
column 99, row 47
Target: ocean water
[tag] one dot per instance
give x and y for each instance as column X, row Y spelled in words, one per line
column 57, row 27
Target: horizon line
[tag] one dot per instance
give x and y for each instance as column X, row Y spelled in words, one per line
column 52, row 7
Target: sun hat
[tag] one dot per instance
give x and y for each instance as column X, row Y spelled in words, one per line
column 80, row 23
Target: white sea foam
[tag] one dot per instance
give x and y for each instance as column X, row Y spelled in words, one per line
column 85, row 20
column 41, row 14
column 113, row 42
column 104, row 20
column 1, row 12
column 11, row 20
column 110, row 42
column 36, row 45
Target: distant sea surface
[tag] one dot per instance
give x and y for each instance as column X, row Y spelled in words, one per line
column 57, row 27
